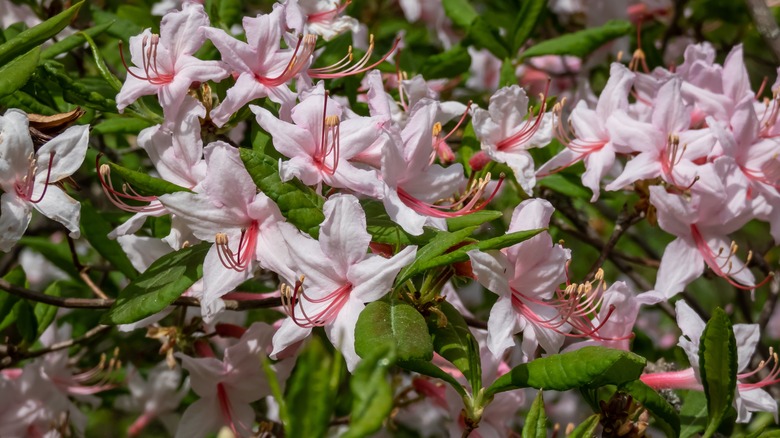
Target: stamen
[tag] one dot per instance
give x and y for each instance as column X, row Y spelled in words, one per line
column 241, row 259
column 25, row 187
column 724, row 269
column 529, row 128
column 128, row 193
column 331, row 72
column 300, row 58
column 152, row 73
column 440, row 146
column 324, row 16
column 293, row 296
column 466, row 203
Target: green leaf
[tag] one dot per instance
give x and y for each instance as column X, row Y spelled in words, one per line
column 693, row 414
column 429, row 369
column 77, row 91
column 507, row 76
column 526, row 22
column 460, row 12
column 587, row 428
column 159, row 286
column 587, row 367
column 96, row 229
column 57, row 253
column 101, row 65
column 45, row 313
column 124, row 28
column 372, row 394
column 536, row 420
column 73, row 41
column 486, row 36
column 580, row 43
column 436, row 247
column 565, row 184
column 14, row 74
column 26, row 323
column 663, row 412
column 395, row 325
column 145, row 184
column 453, row 340
column 449, row 64
column 301, row 205
column 472, row 220
column 120, row 125
column 37, row 35
column 718, row 368
column 461, row 254
column 312, row 388
column 230, row 12
column 16, row 277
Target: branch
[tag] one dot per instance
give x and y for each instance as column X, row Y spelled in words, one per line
column 765, row 24
column 623, row 222
column 105, row 303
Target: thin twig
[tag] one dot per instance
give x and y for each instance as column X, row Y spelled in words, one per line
column 105, row 303
column 84, row 271
column 623, row 222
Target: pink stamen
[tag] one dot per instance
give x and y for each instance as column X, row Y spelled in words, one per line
column 151, row 71
column 440, row 146
column 717, row 267
column 127, row 194
column 528, row 129
column 325, row 16
column 247, row 243
column 329, row 145
column 336, row 299
column 26, row 186
column 441, row 211
column 331, row 72
column 300, row 58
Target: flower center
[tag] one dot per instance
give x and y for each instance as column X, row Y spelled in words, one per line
column 527, row 130
column 309, row 311
column 26, row 185
column 460, row 205
column 120, row 198
column 152, row 73
column 342, row 68
column 239, row 260
column 300, row 58
column 722, row 264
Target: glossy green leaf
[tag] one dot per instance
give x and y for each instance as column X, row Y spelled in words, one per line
column 37, row 35
column 587, row 367
column 45, row 313
column 96, row 229
column 449, row 64
column 73, row 41
column 14, row 74
column 372, row 394
column 76, row 91
column 159, row 286
column 472, row 220
column 580, row 43
column 664, row 413
column 301, row 205
column 16, row 277
column 718, row 368
column 526, row 22
column 383, row 230
column 105, row 73
column 453, row 340
column 587, row 428
column 143, row 183
column 460, row 12
column 429, row 369
column 437, row 246
column 461, row 254
column 312, row 388
column 536, row 420
column 393, row 325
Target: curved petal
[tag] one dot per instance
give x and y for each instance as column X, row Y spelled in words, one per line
column 502, row 326
column 62, row 208
column 680, row 265
column 373, row 277
column 343, row 235
column 15, row 215
column 341, row 331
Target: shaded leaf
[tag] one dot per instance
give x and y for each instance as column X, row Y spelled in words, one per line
column 37, row 35
column 587, row 428
column 145, row 184
column 536, row 420
column 580, row 43
column 95, row 228
column 429, row 369
column 718, row 368
column 73, row 41
column 45, row 313
column 449, row 64
column 526, row 22
column 453, row 340
column 397, row 325
column 460, row 12
column 14, row 74
column 372, row 394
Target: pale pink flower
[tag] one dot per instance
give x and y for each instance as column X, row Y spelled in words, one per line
column 156, row 397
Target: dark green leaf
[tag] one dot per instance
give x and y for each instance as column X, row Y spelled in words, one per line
column 14, row 74
column 383, row 230
column 436, row 247
column 693, row 414
column 45, row 313
column 453, row 340
column 372, row 394
column 159, row 286
column 718, row 368
column 298, row 203
column 26, row 324
column 565, row 184
column 73, row 41
column 393, row 325
column 486, row 36
column 122, row 29
column 37, row 35
column 460, row 12
column 663, row 412
column 587, row 428
column 230, row 12
column 145, row 184
column 461, row 254
column 78, row 91
column 429, row 369
column 120, row 125
column 507, row 77
column 312, row 389
column 96, row 229
column 536, row 420
column 447, row 64
column 7, row 301
column 526, row 22
column 57, row 253
column 105, row 73
column 580, row 43
column 587, row 367
column 472, row 220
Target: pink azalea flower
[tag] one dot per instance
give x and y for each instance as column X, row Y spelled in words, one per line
column 525, row 278
column 157, row 397
column 227, row 387
column 320, row 17
column 231, row 213
column 334, row 277
column 506, row 134
column 592, row 131
column 749, row 396
column 260, row 66
column 27, row 177
column 165, row 65
column 320, row 143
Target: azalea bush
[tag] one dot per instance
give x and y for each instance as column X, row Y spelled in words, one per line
column 389, row 218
